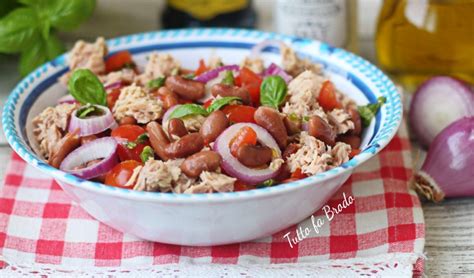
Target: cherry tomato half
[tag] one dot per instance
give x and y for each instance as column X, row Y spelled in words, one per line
column 130, row 133
column 245, row 136
column 121, row 173
column 118, row 60
column 240, row 113
column 298, row 174
column 252, row 82
column 327, row 97
column 112, row 98
column 241, row 186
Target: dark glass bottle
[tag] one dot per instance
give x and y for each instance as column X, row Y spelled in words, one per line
column 209, row 13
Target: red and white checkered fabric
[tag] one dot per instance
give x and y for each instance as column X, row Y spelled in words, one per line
column 39, row 224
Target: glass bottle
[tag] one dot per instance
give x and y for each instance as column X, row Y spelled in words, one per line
column 331, row 21
column 417, row 39
column 209, row 13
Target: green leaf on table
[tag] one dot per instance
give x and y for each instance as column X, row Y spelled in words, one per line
column 367, row 112
column 62, row 14
column 39, row 53
column 188, row 109
column 221, row 102
column 86, row 87
column 273, row 91
column 18, row 30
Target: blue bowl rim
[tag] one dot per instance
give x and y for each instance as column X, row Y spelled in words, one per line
column 384, row 135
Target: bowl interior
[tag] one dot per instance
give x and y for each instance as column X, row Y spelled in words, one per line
column 351, row 74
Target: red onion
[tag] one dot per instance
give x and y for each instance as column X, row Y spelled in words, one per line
column 103, row 148
column 114, row 85
column 449, row 167
column 209, row 75
column 273, row 69
column 257, row 49
column 233, row 167
column 437, row 103
column 67, row 99
column 168, row 113
column 92, row 125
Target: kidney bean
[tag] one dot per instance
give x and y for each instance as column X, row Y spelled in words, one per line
column 185, row 146
column 64, row 147
column 271, row 120
column 176, row 127
column 194, row 165
column 158, row 139
column 357, row 121
column 185, row 88
column 318, row 128
column 292, row 127
column 225, row 90
column 289, row 150
column 254, row 156
column 168, row 97
column 284, row 172
column 213, row 126
column 127, row 120
column 352, row 140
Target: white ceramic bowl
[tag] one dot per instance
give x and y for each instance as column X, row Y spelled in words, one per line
column 208, row 219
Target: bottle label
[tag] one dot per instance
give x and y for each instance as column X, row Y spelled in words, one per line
column 325, row 20
column 207, row 9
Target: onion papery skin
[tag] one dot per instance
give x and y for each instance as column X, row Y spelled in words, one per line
column 448, row 170
column 92, row 125
column 233, row 167
column 103, row 148
column 437, row 103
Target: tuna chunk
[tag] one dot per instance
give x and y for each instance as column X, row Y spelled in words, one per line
column 133, row 101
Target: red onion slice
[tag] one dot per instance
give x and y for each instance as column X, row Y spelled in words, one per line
column 67, row 99
column 114, row 85
column 233, row 167
column 104, row 148
column 92, row 125
column 273, row 69
column 209, row 75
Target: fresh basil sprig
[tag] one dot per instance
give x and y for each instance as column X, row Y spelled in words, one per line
column 228, row 78
column 273, row 91
column 221, row 102
column 86, row 87
column 30, row 28
column 367, row 112
column 190, row 109
column 156, row 83
column 88, row 111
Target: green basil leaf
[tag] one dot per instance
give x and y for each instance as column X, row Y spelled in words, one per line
column 18, row 30
column 7, row 6
column 228, row 78
column 63, row 14
column 273, row 91
column 188, row 110
column 156, row 83
column 368, row 112
column 146, row 154
column 221, row 102
column 86, row 87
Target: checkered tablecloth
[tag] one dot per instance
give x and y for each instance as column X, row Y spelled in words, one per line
column 43, row 232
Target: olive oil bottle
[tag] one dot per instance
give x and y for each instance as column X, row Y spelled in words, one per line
column 417, row 39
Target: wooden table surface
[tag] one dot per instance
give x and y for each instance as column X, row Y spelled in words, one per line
column 449, row 226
